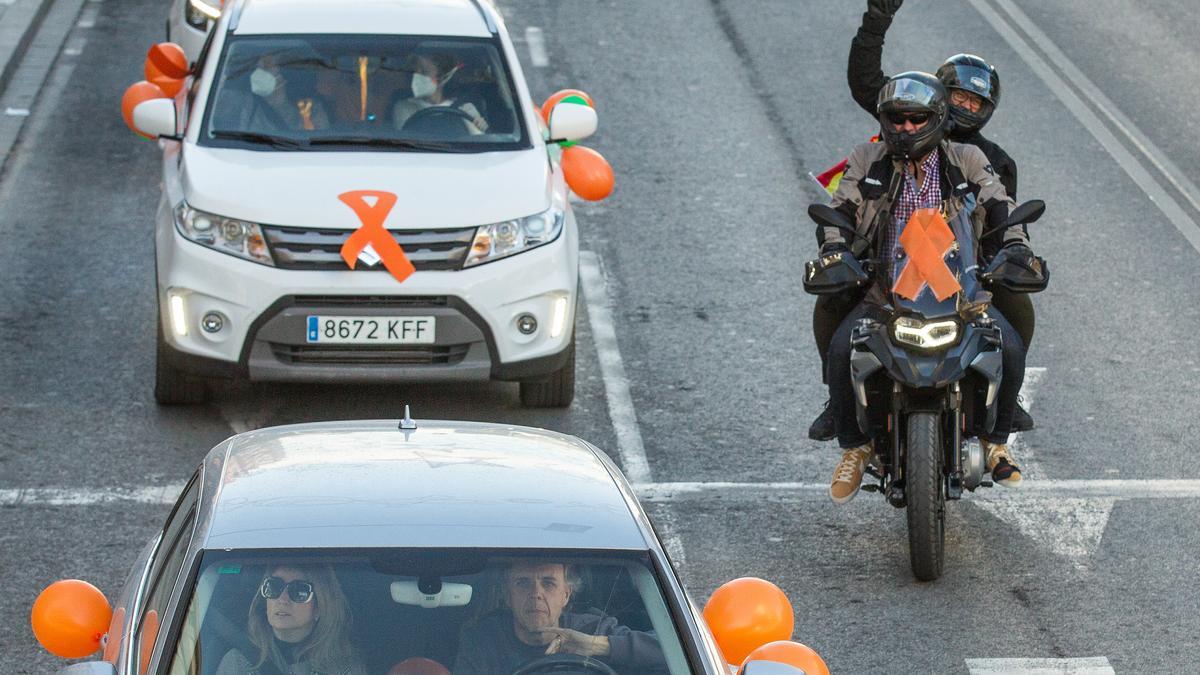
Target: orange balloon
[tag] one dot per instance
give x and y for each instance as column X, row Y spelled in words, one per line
column 747, row 613
column 791, row 653
column 587, row 173
column 167, row 59
column 418, row 666
column 138, row 92
column 169, row 85
column 70, row 617
column 560, row 95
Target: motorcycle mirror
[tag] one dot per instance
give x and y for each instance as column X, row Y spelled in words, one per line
column 1028, row 212
column 827, row 216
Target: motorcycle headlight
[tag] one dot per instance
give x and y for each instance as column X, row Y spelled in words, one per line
column 227, row 235
column 914, row 332
column 500, row 240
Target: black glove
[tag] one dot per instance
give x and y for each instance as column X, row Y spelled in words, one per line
column 883, row 8
column 833, row 248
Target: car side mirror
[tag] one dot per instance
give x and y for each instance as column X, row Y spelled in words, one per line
column 155, row 118
column 89, row 668
column 571, row 122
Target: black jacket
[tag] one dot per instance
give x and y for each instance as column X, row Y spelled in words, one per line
column 865, row 75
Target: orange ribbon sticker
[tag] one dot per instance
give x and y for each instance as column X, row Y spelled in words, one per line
column 926, row 239
column 373, row 234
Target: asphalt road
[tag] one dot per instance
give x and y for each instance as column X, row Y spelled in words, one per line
column 712, row 113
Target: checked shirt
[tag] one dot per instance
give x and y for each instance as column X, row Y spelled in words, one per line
column 912, row 197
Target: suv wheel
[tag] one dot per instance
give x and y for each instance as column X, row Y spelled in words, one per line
column 555, row 390
column 173, row 386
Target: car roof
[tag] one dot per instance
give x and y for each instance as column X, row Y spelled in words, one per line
column 404, row 17
column 444, row 484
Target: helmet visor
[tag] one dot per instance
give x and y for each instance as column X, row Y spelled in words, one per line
column 903, row 94
column 975, row 80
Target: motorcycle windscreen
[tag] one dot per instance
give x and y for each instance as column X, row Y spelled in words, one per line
column 935, row 265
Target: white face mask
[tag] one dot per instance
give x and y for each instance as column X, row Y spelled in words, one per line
column 263, row 82
column 422, row 85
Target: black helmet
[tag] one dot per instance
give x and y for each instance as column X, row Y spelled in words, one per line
column 971, row 74
column 912, row 92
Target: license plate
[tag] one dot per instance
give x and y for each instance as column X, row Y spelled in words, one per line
column 370, row 330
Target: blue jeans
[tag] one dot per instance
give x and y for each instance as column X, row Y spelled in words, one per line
column 841, row 391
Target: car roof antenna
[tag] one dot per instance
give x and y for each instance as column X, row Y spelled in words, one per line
column 407, row 423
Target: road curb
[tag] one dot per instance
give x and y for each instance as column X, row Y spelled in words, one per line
column 18, row 25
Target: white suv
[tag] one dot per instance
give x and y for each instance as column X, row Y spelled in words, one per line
column 306, row 120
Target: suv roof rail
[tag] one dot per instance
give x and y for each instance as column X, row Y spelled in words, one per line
column 487, row 18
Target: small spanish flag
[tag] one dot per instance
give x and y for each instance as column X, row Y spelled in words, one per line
column 829, row 178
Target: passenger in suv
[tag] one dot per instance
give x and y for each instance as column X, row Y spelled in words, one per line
column 258, row 274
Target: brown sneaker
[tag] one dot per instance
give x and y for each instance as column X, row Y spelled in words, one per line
column 1000, row 464
column 849, row 474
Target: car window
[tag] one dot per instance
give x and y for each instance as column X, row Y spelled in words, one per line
column 469, row 610
column 164, row 571
column 363, row 92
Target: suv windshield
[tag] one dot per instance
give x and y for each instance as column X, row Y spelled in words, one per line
column 362, row 92
column 397, row 610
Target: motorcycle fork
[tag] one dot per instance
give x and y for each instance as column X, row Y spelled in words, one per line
column 954, row 478
column 895, row 489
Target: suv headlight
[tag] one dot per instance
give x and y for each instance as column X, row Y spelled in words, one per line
column 198, row 12
column 500, row 240
column 924, row 335
column 227, row 235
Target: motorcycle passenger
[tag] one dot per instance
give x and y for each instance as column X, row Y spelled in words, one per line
column 974, row 92
column 884, row 183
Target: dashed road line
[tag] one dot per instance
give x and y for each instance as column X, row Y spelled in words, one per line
column 158, row 494
column 621, row 413
column 1095, row 665
column 536, row 41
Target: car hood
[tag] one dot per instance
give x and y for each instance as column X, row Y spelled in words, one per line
column 301, row 188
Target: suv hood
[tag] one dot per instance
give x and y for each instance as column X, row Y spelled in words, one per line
column 301, row 188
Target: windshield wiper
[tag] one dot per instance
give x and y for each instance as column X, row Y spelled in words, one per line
column 258, row 137
column 399, row 143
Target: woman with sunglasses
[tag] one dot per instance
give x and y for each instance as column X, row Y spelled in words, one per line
column 973, row 88
column 299, row 625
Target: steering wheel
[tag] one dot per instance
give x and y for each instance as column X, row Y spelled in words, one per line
column 274, row 119
column 564, row 663
column 434, row 110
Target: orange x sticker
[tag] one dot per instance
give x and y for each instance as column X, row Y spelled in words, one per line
column 926, row 239
column 372, row 232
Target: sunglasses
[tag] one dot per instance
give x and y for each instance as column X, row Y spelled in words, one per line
column 900, row 118
column 298, row 591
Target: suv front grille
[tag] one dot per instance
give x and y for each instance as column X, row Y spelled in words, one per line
column 306, row 248
column 318, row 301
column 390, row 355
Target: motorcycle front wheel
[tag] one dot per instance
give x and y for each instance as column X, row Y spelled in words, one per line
column 926, row 495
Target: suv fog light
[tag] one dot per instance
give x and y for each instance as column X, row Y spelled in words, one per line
column 527, row 324
column 559, row 320
column 178, row 314
column 212, row 322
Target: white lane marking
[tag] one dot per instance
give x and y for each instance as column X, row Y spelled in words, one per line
column 537, row 47
column 1071, row 527
column 17, row 112
column 161, row 494
column 664, row 521
column 1059, row 87
column 1025, row 457
column 612, row 369
column 1166, row 488
column 1096, row 665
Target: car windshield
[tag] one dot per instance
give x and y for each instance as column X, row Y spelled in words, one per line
column 425, row 611
column 363, row 92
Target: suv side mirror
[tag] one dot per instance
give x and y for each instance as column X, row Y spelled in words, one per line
column 571, row 122
column 155, row 117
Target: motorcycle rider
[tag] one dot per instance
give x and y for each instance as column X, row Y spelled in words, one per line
column 884, row 183
column 974, row 91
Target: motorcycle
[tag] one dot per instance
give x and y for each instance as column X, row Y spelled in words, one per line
column 926, row 379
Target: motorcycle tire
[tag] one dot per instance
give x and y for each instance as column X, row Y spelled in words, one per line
column 925, row 490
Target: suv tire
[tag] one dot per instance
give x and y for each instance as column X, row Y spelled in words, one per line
column 173, row 386
column 555, row 390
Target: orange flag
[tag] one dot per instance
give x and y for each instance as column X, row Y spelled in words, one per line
column 373, row 233
column 926, row 239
